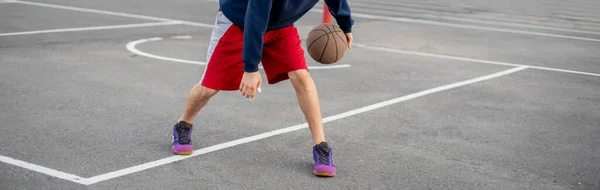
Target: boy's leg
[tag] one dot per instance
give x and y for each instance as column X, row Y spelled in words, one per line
column 198, row 97
column 283, row 58
column 308, row 99
column 182, row 131
column 223, row 72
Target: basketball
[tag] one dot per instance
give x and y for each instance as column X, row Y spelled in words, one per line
column 326, row 43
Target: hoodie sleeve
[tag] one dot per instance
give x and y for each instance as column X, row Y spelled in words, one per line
column 255, row 26
column 340, row 10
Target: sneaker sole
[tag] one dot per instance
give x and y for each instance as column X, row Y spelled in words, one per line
column 182, row 152
column 324, row 174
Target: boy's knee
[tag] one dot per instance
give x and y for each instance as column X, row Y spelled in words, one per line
column 299, row 76
column 203, row 91
column 301, row 80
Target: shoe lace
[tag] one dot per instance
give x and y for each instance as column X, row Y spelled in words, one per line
column 184, row 135
column 323, row 157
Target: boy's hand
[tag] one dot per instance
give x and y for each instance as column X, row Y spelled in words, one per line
column 250, row 82
column 349, row 37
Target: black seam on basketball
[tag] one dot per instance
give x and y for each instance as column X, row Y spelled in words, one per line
column 323, row 53
column 308, row 49
column 336, row 49
column 326, row 46
column 335, row 41
column 345, row 43
column 328, row 28
column 318, row 30
column 335, row 31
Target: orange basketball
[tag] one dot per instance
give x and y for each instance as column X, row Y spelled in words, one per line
column 326, row 43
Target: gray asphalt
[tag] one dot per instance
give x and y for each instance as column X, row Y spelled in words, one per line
column 81, row 103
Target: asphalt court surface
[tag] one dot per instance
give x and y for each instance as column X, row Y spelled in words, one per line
column 512, row 48
column 82, row 103
column 58, row 19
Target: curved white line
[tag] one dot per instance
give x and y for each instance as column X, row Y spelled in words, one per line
column 131, row 46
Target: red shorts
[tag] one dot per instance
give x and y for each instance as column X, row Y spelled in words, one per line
column 282, row 53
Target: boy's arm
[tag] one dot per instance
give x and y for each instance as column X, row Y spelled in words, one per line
column 341, row 12
column 255, row 26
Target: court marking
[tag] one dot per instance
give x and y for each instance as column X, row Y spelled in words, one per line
column 392, row 50
column 42, row 169
column 316, row 10
column 112, row 13
column 472, row 20
column 489, row 22
column 93, row 11
column 320, row 11
column 110, row 175
column 465, row 26
column 201, row 151
column 109, row 27
column 131, row 46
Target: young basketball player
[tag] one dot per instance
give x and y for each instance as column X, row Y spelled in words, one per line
column 247, row 32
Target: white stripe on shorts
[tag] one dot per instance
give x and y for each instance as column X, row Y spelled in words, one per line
column 222, row 24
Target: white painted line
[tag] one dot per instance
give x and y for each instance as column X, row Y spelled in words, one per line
column 484, row 20
column 92, row 28
column 112, row 13
column 181, row 37
column 149, row 165
column 500, row 23
column 132, row 47
column 422, row 93
column 392, row 50
column 357, row 15
column 7, row 1
column 409, row 20
column 42, row 169
column 245, row 140
column 198, row 24
column 94, row 11
column 565, row 71
column 469, row 59
column 421, row 21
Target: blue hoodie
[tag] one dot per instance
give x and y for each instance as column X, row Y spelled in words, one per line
column 258, row 16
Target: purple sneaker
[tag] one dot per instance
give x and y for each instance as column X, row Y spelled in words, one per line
column 323, row 160
column 182, row 138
